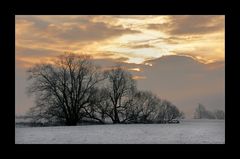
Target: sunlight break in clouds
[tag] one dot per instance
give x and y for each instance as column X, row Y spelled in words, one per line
column 137, row 38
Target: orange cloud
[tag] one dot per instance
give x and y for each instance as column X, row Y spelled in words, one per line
column 139, row 77
column 135, row 69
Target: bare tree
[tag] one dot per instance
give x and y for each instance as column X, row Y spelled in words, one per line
column 97, row 109
column 172, row 112
column 71, row 89
column 119, row 89
column 63, row 88
column 167, row 111
column 162, row 110
column 143, row 108
column 200, row 112
column 147, row 108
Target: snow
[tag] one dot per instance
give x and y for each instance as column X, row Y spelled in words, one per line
column 187, row 132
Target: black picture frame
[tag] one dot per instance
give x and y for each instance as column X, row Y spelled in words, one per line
column 107, row 7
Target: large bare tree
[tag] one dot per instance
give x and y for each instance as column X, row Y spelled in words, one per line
column 119, row 89
column 63, row 88
column 71, row 88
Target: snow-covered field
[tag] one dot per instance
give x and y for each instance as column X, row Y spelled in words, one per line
column 187, row 132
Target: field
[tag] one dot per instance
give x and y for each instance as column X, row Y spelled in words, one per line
column 187, row 132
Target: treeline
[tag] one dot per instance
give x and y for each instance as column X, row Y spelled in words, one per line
column 72, row 89
column 202, row 113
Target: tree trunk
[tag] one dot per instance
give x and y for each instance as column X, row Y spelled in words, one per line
column 116, row 118
column 71, row 122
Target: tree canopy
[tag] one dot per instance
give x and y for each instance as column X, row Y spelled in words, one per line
column 71, row 88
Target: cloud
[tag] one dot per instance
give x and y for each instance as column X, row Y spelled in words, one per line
column 197, row 24
column 31, row 31
column 27, row 57
column 139, row 77
column 88, row 31
column 91, row 34
column 135, row 69
column 109, row 55
column 67, row 33
column 105, row 54
column 204, row 54
column 157, row 26
column 190, row 25
column 137, row 46
column 179, row 39
column 35, row 20
column 38, row 53
column 122, row 59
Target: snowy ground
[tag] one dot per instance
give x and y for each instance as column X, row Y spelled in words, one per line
column 187, row 132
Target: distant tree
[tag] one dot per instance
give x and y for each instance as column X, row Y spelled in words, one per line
column 63, row 88
column 219, row 114
column 200, row 112
column 210, row 115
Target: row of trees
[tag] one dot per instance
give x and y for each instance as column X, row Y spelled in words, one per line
column 202, row 113
column 72, row 89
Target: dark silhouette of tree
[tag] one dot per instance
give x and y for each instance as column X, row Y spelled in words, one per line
column 148, row 108
column 134, row 110
column 71, row 89
column 98, row 106
column 119, row 89
column 144, row 107
column 63, row 88
column 167, row 111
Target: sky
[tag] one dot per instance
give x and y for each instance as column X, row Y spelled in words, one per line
column 178, row 57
